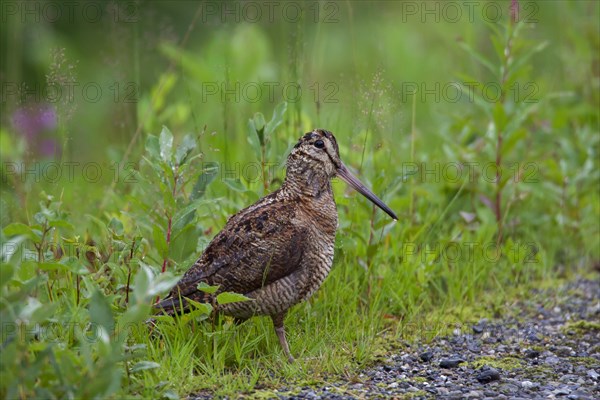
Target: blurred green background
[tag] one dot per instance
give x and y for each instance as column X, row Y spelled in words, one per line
column 423, row 97
column 346, row 66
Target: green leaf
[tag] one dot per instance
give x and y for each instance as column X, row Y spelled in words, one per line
column 59, row 223
column 206, row 288
column 199, row 308
column 210, row 170
column 182, row 221
column 160, row 241
column 166, row 144
column 235, row 184
column 259, row 121
column 277, row 118
column 141, row 283
column 230, row 297
column 162, row 284
column 259, row 127
column 188, row 144
column 100, row 311
column 144, row 366
column 17, row 228
column 152, row 147
column 253, row 139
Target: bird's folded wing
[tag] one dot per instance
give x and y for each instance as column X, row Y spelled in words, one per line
column 253, row 250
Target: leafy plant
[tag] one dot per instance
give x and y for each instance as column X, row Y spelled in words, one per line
column 260, row 137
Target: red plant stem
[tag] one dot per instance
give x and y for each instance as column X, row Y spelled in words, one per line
column 164, row 266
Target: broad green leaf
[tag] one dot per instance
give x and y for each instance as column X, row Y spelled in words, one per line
column 27, row 270
column 160, row 241
column 206, row 288
column 259, row 127
column 152, row 147
column 17, row 228
column 100, row 311
column 144, row 366
column 253, row 139
column 141, row 283
column 210, row 170
column 162, row 283
column 277, row 118
column 59, row 223
column 200, row 308
column 187, row 145
column 166, row 144
column 182, row 218
column 230, row 297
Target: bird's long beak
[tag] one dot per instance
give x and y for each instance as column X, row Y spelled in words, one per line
column 353, row 181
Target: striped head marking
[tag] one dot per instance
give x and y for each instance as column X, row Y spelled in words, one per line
column 317, row 150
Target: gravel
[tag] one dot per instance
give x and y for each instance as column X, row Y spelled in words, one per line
column 546, row 347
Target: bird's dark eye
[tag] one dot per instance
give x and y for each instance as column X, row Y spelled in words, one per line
column 319, row 144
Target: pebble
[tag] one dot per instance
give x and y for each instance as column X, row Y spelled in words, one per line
column 527, row 384
column 452, row 362
column 552, row 360
column 564, row 351
column 509, row 388
column 593, row 374
column 426, row 356
column 530, row 353
column 479, row 327
column 488, row 375
column 563, row 391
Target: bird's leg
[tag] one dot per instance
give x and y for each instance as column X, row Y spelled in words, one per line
column 280, row 330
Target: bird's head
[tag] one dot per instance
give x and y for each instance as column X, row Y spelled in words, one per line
column 316, row 158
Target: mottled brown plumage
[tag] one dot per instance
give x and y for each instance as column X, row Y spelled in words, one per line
column 279, row 250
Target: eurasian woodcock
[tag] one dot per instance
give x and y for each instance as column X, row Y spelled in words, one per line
column 279, row 250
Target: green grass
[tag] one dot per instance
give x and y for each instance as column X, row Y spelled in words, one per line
column 82, row 260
